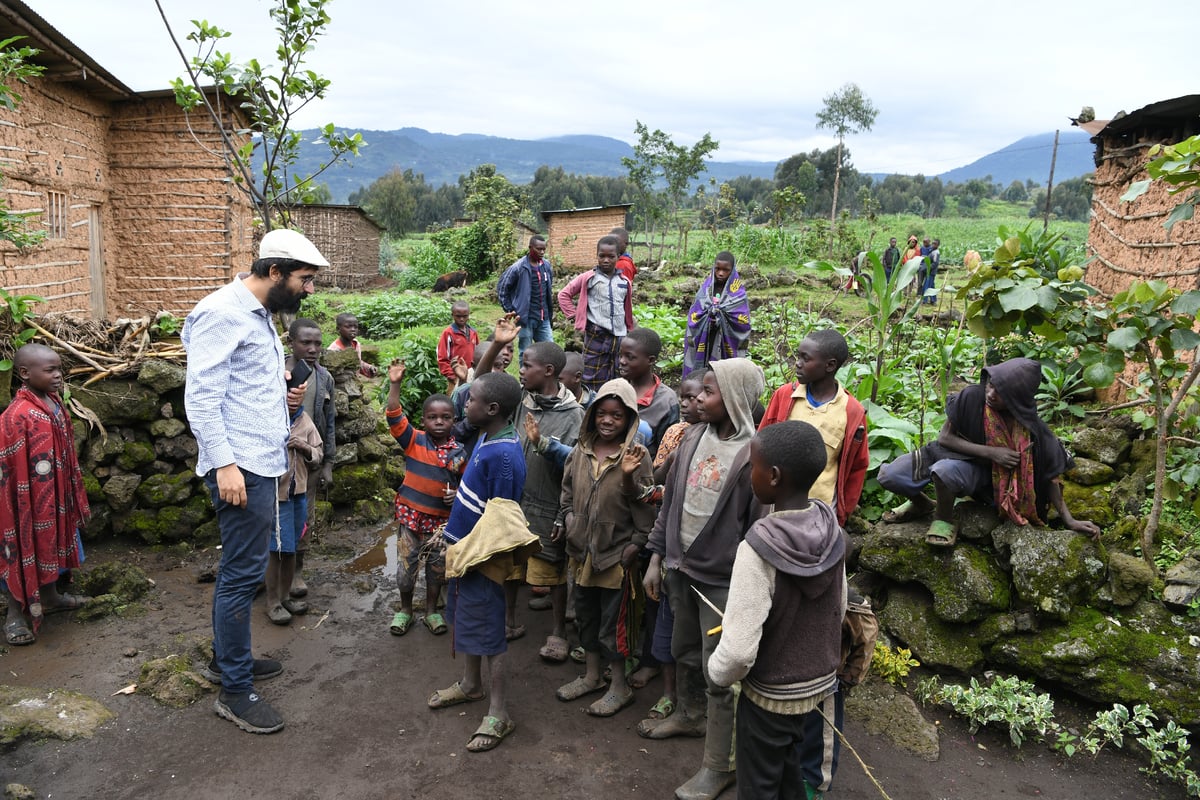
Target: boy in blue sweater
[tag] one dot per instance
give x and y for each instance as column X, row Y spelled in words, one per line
column 475, row 604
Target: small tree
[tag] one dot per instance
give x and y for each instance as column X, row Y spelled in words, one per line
column 846, row 111
column 494, row 203
column 269, row 99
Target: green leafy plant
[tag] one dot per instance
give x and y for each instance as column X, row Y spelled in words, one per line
column 15, row 315
column 1007, row 701
column 1178, row 166
column 1058, row 392
column 166, row 325
column 427, row 264
column 15, row 68
column 468, row 249
column 671, row 327
column 386, row 315
column 418, row 350
column 892, row 665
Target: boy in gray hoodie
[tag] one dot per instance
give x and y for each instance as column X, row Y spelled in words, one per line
column 707, row 507
column 782, row 629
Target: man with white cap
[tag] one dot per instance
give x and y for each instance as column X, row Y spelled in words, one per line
column 239, row 409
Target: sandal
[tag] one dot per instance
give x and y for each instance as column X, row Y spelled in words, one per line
column 579, row 688
column 941, row 534
column 609, row 704
column 490, row 733
column 67, row 602
column 554, row 650
column 906, row 512
column 295, row 607
column 453, row 696
column 435, row 623
column 579, row 655
column 18, row 633
column 664, row 708
column 512, row 634
column 401, row 623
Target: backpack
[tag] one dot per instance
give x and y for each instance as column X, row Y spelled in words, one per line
column 860, row 629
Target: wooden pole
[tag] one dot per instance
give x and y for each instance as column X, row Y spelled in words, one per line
column 1050, row 184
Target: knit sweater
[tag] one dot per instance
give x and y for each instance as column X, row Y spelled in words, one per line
column 496, row 469
column 781, row 634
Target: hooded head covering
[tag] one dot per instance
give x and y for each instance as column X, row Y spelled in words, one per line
column 741, row 383
column 1017, row 381
column 622, row 390
column 717, row 327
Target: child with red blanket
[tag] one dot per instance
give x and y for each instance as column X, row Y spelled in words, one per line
column 42, row 500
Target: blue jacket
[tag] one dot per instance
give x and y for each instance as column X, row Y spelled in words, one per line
column 516, row 284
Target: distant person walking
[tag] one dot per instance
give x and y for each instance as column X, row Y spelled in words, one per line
column 524, row 288
column 238, row 406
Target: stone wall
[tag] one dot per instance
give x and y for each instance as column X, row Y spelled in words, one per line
column 141, row 477
column 1051, row 605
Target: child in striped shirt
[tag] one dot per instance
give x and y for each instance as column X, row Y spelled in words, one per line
column 433, row 464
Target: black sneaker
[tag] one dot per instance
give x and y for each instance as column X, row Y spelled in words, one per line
column 249, row 712
column 263, row 669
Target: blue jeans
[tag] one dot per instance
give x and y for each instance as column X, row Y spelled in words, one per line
column 245, row 533
column 534, row 331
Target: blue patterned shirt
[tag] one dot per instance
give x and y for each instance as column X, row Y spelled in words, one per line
column 236, row 397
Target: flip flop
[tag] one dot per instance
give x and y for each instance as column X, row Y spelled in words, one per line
column 609, row 704
column 435, row 623
column 941, row 534
column 554, row 650
column 664, row 708
column 492, row 731
column 905, row 512
column 18, row 633
column 512, row 634
column 578, row 688
column 401, row 623
column 67, row 602
column 453, row 696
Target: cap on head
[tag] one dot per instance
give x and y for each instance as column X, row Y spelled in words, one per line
column 289, row 244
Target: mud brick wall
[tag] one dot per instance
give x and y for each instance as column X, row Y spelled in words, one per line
column 347, row 237
column 180, row 227
column 53, row 155
column 571, row 240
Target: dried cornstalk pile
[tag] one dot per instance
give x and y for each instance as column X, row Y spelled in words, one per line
column 98, row 349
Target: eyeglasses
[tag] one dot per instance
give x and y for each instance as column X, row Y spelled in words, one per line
column 308, row 280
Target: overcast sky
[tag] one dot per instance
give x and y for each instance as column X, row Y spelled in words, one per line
column 952, row 80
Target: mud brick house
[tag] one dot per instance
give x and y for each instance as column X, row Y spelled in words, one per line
column 140, row 215
column 1128, row 240
column 572, row 233
column 347, row 236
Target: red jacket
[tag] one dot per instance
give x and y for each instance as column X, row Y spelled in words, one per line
column 852, row 464
column 626, row 266
column 454, row 342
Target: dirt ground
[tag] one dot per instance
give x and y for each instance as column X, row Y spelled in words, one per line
column 353, row 698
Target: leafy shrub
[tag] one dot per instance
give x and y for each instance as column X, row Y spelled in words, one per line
column 671, row 326
column 385, row 315
column 892, row 665
column 467, row 248
column 322, row 309
column 428, row 263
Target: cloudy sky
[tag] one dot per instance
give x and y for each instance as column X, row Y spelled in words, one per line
column 952, row 80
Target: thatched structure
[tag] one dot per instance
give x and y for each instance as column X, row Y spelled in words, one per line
column 346, row 235
column 1128, row 240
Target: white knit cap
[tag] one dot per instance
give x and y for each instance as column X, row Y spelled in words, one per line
column 284, row 243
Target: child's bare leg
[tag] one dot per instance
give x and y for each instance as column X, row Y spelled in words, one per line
column 558, row 602
column 406, row 601
column 433, row 588
column 510, row 605
column 472, row 680
column 498, row 679
column 945, row 501
column 670, row 681
column 594, row 675
column 52, row 598
column 14, row 612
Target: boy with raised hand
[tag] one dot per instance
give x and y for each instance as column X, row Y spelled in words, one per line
column 817, row 398
column 42, row 499
column 782, row 629
column 475, row 604
column 458, row 340
column 556, row 414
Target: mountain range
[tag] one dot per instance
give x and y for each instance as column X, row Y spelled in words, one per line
column 442, row 158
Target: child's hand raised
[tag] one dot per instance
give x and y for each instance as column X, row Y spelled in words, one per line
column 533, row 431
column 507, row 328
column 460, row 368
column 633, row 458
column 396, row 370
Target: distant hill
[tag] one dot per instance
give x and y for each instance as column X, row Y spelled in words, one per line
column 443, row 157
column 1029, row 159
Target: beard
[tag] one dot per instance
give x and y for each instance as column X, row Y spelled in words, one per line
column 281, row 300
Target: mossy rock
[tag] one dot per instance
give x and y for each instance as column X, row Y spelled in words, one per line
column 908, row 617
column 340, row 359
column 1088, row 472
column 120, row 491
column 882, row 710
column 104, row 449
column 1143, row 453
column 322, row 516
column 354, row 428
column 33, row 713
column 1128, row 579
column 126, row 581
column 91, row 485
column 1053, row 571
column 135, row 455
column 345, row 454
column 1141, row 656
column 1107, row 445
column 172, row 682
column 177, row 448
column 966, row 582
column 165, row 525
column 208, row 534
column 158, row 491
column 373, row 449
column 354, row 482
column 167, row 428
column 162, row 376
column 372, row 510
column 1090, row 503
column 976, row 521
column 1128, row 495
column 119, row 402
column 393, row 472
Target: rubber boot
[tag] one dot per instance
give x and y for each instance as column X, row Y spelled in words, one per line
column 275, row 610
column 287, row 570
column 298, row 588
column 707, row 784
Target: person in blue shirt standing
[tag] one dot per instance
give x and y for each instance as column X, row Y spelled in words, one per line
column 524, row 288
column 238, row 404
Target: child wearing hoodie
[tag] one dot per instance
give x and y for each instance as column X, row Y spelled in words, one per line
column 782, row 630
column 707, row 507
column 606, row 528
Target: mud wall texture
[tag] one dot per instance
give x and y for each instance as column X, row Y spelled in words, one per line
column 571, row 240
column 347, row 238
column 1128, row 240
